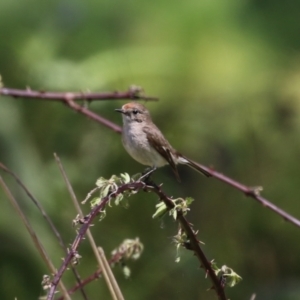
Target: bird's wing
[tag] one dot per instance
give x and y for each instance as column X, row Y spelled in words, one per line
column 163, row 147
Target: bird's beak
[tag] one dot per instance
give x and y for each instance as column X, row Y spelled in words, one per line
column 120, row 110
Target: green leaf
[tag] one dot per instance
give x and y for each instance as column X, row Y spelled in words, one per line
column 232, row 278
column 95, row 201
column 104, row 192
column 126, row 178
column 160, row 211
column 126, row 272
column 174, row 214
column 189, row 200
column 102, row 214
column 101, row 181
column 118, row 199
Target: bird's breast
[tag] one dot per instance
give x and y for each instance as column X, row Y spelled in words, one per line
column 136, row 143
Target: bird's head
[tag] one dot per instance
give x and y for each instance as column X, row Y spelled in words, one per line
column 134, row 112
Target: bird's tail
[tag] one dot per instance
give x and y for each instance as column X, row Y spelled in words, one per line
column 186, row 161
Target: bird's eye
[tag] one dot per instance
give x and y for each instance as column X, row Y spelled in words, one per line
column 135, row 111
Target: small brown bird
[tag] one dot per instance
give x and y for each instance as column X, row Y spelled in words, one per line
column 145, row 142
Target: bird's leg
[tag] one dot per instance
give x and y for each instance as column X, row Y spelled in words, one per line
column 146, row 174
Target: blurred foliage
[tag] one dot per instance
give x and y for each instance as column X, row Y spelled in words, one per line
column 227, row 74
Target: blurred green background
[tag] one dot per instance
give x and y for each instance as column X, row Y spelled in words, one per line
column 228, row 77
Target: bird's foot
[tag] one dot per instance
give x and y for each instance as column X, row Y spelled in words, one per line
column 146, row 174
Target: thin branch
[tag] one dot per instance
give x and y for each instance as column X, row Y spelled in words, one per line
column 107, row 273
column 96, row 275
column 138, row 185
column 253, row 192
column 91, row 115
column 132, row 93
column 82, row 231
column 68, row 98
column 47, row 218
column 33, row 236
column 193, row 241
column 35, row 202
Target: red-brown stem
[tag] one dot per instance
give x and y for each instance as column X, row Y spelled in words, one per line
column 193, row 241
column 252, row 192
column 58, row 96
column 82, row 232
column 94, row 276
column 138, row 185
column 69, row 98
